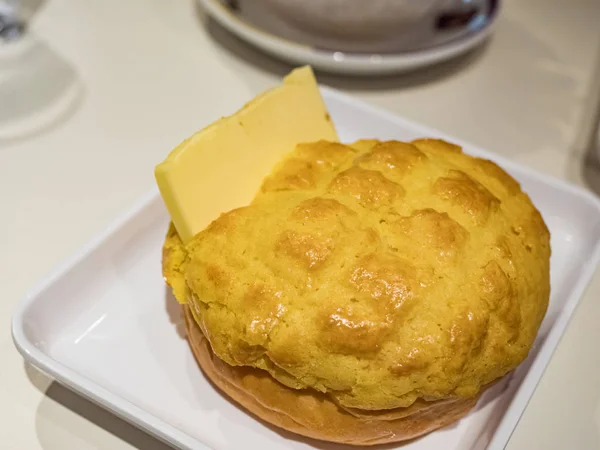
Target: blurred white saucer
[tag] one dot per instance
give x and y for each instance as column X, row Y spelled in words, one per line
column 275, row 37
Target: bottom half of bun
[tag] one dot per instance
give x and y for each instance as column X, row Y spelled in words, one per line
column 313, row 414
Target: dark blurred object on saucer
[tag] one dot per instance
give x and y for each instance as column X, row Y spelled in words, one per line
column 369, row 26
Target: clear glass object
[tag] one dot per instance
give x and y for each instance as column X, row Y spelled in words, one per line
column 38, row 87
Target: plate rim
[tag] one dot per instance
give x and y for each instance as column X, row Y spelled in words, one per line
column 350, row 63
column 73, row 379
column 168, row 433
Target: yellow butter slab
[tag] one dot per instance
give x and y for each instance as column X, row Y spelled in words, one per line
column 221, row 167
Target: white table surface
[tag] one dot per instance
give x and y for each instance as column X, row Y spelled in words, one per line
column 150, row 74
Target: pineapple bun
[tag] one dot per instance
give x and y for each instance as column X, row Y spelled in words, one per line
column 370, row 292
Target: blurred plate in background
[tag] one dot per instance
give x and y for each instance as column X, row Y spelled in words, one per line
column 301, row 33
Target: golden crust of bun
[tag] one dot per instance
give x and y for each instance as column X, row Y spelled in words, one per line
column 379, row 273
column 310, row 413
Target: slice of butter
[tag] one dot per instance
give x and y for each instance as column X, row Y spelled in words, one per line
column 221, row 167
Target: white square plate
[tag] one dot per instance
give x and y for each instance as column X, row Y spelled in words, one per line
column 105, row 325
